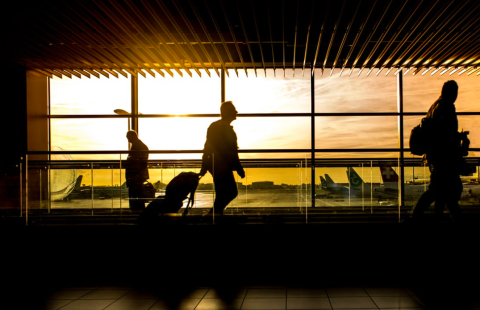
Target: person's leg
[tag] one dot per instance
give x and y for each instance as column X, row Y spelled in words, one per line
column 135, row 195
column 225, row 191
column 423, row 203
column 454, row 194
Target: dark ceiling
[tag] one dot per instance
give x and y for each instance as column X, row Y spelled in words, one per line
column 101, row 37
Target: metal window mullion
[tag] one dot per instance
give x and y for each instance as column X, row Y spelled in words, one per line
column 134, row 114
column 312, row 119
column 401, row 196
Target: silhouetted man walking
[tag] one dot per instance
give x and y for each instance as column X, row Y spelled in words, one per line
column 220, row 157
column 444, row 155
column 136, row 170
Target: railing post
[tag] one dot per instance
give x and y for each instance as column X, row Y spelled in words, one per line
column 312, row 117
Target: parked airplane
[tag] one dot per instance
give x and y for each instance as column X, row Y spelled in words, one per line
column 99, row 192
column 413, row 191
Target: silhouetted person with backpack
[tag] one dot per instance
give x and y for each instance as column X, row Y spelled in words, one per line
column 136, row 170
column 220, row 158
column 444, row 155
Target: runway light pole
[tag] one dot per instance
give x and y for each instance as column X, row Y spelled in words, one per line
column 123, row 112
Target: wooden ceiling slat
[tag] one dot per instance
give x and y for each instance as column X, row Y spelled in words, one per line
column 419, row 49
column 82, row 72
column 296, row 34
column 332, row 38
column 269, row 21
column 258, row 37
column 344, row 39
column 122, row 40
column 75, row 73
column 159, row 72
column 89, row 41
column 393, row 39
column 53, row 72
column 150, row 37
column 308, row 36
column 444, row 52
column 196, row 37
column 43, row 72
column 399, row 60
column 158, row 37
column 322, row 29
column 105, row 74
column 125, row 28
column 92, row 72
column 121, row 72
column 232, row 33
column 67, row 74
column 246, row 36
column 115, row 74
column 380, row 39
column 222, row 39
column 472, row 71
column 369, row 39
column 184, row 37
column 357, row 38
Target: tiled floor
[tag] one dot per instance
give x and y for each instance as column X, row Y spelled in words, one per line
column 261, row 297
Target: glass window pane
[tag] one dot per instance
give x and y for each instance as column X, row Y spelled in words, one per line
column 420, row 91
column 355, row 93
column 354, row 132
column 90, row 96
column 272, row 93
column 178, row 133
column 89, row 134
column 179, row 95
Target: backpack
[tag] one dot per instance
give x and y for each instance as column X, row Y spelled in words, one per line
column 421, row 137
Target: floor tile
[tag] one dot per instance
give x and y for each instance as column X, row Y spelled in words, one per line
column 87, row 304
column 385, row 291
column 396, row 302
column 264, row 303
column 347, row 292
column 134, row 294
column 69, row 294
column 160, row 305
column 299, row 292
column 266, row 293
column 212, row 293
column 56, row 304
column 105, row 294
column 189, row 304
column 198, row 293
column 352, row 303
column 309, row 303
column 132, row 304
column 218, row 304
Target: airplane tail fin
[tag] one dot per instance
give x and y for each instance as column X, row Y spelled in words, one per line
column 353, row 178
column 388, row 174
column 323, row 182
column 78, row 182
column 329, row 179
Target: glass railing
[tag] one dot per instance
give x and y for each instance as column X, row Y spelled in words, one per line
column 274, row 189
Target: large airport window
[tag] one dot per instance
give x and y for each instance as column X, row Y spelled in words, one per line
column 89, row 96
column 90, row 134
column 269, row 91
column 180, row 95
column 353, row 93
column 355, row 132
column 420, row 91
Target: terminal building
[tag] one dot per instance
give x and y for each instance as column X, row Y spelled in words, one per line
column 327, row 93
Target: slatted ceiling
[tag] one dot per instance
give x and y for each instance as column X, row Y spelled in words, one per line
column 109, row 38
